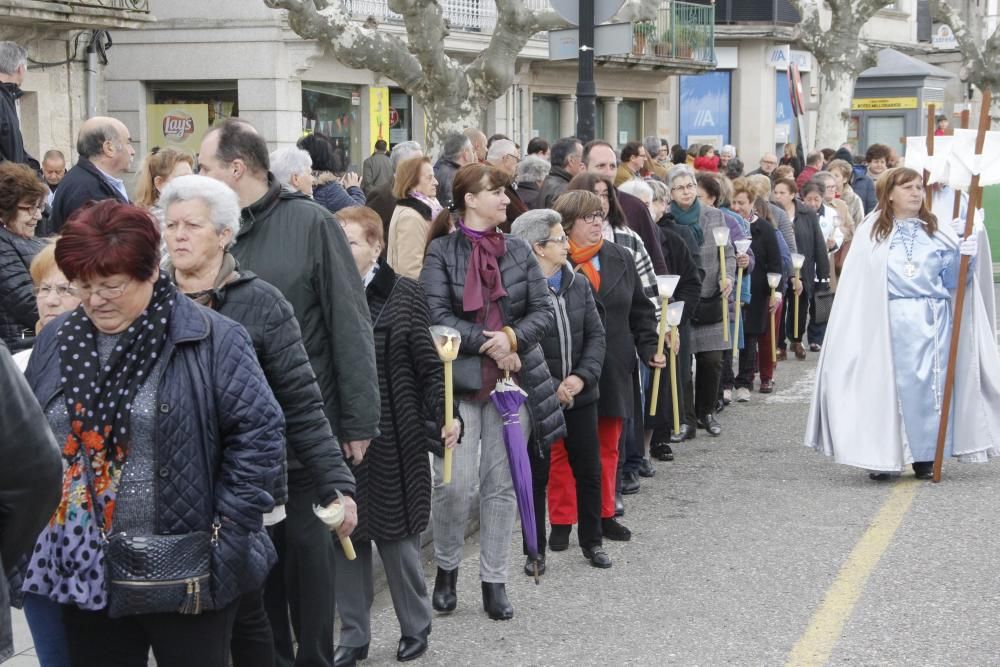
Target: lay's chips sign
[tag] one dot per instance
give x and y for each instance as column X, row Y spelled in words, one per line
column 177, row 125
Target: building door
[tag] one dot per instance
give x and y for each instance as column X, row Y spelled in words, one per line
column 629, row 121
column 545, row 117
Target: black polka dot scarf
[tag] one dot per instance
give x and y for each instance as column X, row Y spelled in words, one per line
column 68, row 561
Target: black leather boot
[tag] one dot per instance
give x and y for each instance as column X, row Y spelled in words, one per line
column 495, row 602
column 445, row 598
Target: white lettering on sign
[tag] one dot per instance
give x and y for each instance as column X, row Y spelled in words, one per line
column 704, row 118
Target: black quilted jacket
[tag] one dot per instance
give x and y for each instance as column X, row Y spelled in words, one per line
column 220, row 439
column 268, row 318
column 18, row 309
column 526, row 309
column 576, row 344
column 394, row 480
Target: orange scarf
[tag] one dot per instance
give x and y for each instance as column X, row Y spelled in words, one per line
column 582, row 256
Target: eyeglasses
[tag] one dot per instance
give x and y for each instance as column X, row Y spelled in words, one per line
column 515, row 158
column 592, row 218
column 62, row 289
column 560, row 240
column 689, row 186
column 106, row 293
column 31, row 210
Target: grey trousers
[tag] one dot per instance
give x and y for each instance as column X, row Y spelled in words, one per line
column 482, row 449
column 354, row 589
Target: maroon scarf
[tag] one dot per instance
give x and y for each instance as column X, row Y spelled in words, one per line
column 483, row 284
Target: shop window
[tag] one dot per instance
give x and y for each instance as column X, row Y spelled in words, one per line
column 545, row 117
column 182, row 112
column 400, row 117
column 335, row 111
column 221, row 97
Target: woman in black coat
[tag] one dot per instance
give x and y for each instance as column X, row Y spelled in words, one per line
column 812, row 245
column 487, row 286
column 574, row 352
column 764, row 243
column 631, row 327
column 22, row 198
column 200, row 221
column 394, row 480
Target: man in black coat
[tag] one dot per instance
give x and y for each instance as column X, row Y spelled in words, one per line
column 13, row 67
column 30, row 480
column 296, row 245
column 566, row 156
column 456, row 152
column 105, row 148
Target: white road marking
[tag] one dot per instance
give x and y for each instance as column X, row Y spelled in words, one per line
column 799, row 391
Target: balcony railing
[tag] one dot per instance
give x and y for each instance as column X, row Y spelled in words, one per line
column 123, row 5
column 681, row 31
column 464, row 15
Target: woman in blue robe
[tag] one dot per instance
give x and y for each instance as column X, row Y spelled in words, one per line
column 878, row 396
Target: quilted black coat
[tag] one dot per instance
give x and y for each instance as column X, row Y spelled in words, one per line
column 18, row 309
column 526, row 309
column 220, row 439
column 268, row 318
column 577, row 342
column 394, row 479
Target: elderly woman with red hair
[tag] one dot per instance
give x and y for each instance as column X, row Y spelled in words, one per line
column 168, row 468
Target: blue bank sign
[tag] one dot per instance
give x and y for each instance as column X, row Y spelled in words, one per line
column 704, row 108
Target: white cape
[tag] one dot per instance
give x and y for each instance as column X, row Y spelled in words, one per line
column 854, row 415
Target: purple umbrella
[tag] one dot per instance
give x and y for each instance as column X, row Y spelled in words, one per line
column 508, row 399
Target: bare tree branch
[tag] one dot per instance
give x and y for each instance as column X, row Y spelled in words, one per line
column 349, row 41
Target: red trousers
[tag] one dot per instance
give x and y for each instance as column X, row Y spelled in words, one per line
column 562, row 485
column 764, row 364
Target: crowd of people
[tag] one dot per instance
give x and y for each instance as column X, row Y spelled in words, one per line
column 237, row 365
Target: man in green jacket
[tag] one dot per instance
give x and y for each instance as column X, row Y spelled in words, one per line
column 296, row 245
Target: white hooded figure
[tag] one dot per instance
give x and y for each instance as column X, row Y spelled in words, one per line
column 881, row 375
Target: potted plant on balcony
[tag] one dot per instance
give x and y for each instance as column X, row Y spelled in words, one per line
column 641, row 31
column 664, row 46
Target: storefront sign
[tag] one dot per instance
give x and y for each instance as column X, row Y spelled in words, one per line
column 943, row 38
column 177, row 125
column 784, row 118
column 880, row 103
column 780, row 57
column 379, row 115
column 704, row 107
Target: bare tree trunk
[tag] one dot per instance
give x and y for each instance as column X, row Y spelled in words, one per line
column 980, row 55
column 836, row 87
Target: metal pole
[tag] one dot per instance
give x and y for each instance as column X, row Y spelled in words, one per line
column 92, row 75
column 586, row 91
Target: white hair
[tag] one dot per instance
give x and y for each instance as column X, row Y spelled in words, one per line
column 12, row 56
column 533, row 168
column 404, row 151
column 222, row 202
column 499, row 148
column 679, row 171
column 289, row 161
column 637, row 188
column 728, row 150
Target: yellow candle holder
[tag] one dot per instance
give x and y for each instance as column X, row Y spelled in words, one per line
column 447, row 341
column 665, row 285
column 721, row 235
column 773, row 280
column 742, row 246
column 798, row 261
